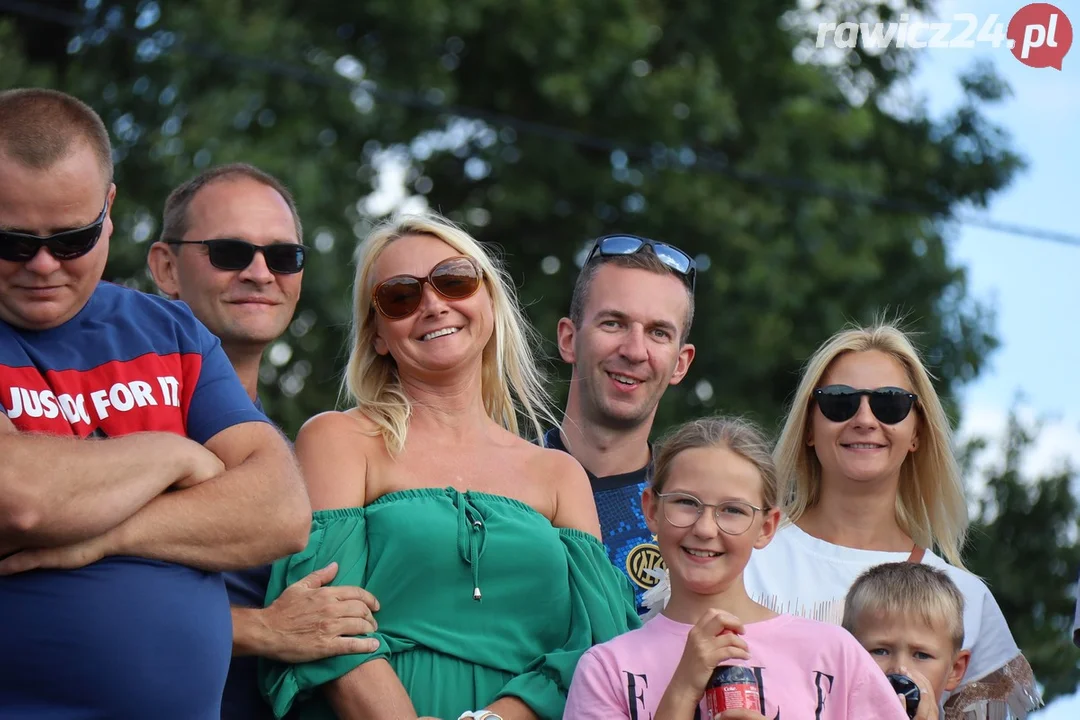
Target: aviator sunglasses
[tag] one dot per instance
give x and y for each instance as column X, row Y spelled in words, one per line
column 66, row 245
column 229, row 254
column 839, row 403
column 673, row 257
column 455, row 278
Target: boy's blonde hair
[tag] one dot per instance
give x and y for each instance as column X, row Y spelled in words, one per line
column 735, row 434
column 906, row 588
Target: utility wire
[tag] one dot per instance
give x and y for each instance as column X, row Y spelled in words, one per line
column 686, row 158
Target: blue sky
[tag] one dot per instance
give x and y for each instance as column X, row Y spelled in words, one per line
column 1032, row 283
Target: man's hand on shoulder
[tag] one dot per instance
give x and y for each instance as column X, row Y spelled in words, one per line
column 310, row 621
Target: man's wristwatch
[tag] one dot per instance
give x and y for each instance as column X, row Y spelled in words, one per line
column 479, row 715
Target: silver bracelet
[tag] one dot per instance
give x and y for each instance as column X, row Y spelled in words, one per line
column 479, row 715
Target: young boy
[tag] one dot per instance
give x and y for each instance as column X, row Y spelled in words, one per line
column 910, row 618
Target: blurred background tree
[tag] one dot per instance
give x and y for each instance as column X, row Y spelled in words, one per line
column 1023, row 543
column 810, row 183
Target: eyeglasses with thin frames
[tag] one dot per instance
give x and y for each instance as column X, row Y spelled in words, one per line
column 733, row 517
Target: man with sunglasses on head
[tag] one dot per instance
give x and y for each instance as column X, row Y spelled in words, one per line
column 135, row 467
column 232, row 249
column 626, row 338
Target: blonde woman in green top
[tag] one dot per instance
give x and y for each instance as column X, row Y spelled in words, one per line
column 482, row 548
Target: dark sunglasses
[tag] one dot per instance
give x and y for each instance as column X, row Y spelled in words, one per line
column 227, row 254
column 839, row 403
column 455, row 278
column 67, row 245
column 670, row 255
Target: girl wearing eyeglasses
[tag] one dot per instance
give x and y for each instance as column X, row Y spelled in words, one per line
column 867, row 475
column 712, row 504
column 480, row 547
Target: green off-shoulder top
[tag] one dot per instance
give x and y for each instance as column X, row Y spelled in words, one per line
column 480, row 597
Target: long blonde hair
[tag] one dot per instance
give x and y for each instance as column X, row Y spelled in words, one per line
column 511, row 380
column 930, row 505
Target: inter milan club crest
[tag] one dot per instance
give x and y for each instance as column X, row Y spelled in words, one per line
column 642, row 558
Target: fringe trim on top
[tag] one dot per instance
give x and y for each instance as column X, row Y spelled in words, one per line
column 1008, row 693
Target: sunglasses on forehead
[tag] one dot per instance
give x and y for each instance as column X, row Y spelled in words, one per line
column 66, row 245
column 233, row 255
column 840, row 403
column 455, row 278
column 673, row 257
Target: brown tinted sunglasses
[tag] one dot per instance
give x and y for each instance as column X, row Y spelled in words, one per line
column 399, row 297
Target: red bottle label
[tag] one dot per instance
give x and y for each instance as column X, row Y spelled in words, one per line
column 732, row 695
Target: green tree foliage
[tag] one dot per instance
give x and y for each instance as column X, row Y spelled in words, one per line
column 540, row 125
column 1024, row 544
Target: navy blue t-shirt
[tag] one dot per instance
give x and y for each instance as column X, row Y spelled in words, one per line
column 124, row 637
column 242, row 699
column 629, row 542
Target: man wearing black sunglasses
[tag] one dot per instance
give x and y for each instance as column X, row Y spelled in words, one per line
column 232, row 250
column 134, row 466
column 626, row 337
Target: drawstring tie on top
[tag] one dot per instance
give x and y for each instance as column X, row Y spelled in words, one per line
column 471, row 538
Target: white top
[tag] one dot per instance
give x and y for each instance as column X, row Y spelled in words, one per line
column 802, row 575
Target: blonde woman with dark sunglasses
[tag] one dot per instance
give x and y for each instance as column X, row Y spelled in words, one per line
column 868, row 476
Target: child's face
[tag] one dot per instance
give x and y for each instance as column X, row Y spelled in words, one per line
column 702, row 558
column 900, row 640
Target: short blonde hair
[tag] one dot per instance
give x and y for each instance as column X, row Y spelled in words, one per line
column 930, row 505
column 910, row 589
column 735, row 434
column 511, row 379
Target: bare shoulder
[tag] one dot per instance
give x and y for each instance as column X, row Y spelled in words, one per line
column 334, row 449
column 333, row 427
column 562, row 467
column 574, row 503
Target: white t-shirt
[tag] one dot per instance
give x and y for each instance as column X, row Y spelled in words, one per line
column 802, row 575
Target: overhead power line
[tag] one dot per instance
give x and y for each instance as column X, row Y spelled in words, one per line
column 687, row 158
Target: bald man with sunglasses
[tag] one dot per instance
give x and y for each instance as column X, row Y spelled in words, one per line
column 232, row 249
column 135, row 469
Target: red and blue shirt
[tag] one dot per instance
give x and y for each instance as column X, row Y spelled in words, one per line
column 126, row 636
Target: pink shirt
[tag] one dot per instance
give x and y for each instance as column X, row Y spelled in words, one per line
column 806, row 669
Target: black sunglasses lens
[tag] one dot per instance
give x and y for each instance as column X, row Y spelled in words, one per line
column 230, row 254
column 285, row 258
column 838, row 405
column 18, row 248
column 70, row 245
column 890, row 406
